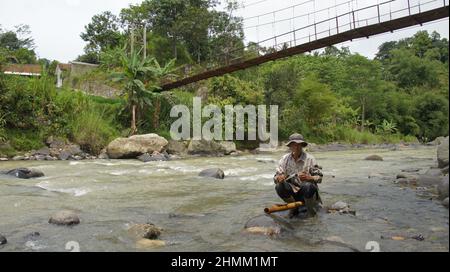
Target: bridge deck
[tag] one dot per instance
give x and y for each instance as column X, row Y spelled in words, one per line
column 356, row 33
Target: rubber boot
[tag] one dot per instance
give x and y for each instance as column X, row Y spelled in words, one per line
column 292, row 212
column 311, row 204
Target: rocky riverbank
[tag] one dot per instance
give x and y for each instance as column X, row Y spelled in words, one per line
column 152, row 147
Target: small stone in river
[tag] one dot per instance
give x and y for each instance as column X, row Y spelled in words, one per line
column 445, row 202
column 3, row 240
column 214, row 173
column 145, row 157
column 335, row 239
column 155, row 156
column 263, row 230
column 411, row 170
column 418, row 237
column 146, row 243
column 33, row 236
column 66, row 218
column 401, row 176
column 374, row 158
column 24, row 173
column 374, row 175
column 264, row 225
column 146, row 231
column 340, row 205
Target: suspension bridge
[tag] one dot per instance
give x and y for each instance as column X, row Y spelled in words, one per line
column 356, row 23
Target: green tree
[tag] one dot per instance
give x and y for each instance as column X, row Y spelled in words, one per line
column 140, row 77
column 17, row 46
column 315, row 101
column 410, row 70
column 363, row 78
column 431, row 113
column 17, row 38
column 102, row 33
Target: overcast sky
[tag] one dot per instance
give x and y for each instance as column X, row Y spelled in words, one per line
column 56, row 24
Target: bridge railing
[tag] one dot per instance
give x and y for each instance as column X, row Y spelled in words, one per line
column 353, row 19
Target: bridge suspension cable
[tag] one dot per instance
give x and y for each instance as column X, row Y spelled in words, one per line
column 356, row 23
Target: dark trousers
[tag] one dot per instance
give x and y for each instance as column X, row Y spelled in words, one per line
column 307, row 190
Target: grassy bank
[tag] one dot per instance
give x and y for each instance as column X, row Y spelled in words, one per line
column 33, row 109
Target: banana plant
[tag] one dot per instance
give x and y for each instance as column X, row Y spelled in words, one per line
column 141, row 78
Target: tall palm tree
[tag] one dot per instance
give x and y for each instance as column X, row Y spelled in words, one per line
column 141, row 78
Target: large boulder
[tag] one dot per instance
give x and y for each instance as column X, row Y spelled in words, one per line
column 428, row 181
column 177, row 147
column 122, row 148
column 66, row 218
column 443, row 188
column 204, row 147
column 213, row 173
column 442, row 153
column 228, row 147
column 23, row 173
column 434, row 172
column 437, row 141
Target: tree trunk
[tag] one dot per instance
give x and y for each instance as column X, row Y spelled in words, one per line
column 156, row 114
column 363, row 115
column 145, row 41
column 175, row 52
column 133, row 120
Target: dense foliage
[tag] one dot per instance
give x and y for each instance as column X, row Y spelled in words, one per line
column 331, row 95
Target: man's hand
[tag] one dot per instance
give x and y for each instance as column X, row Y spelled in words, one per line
column 305, row 177
column 280, row 178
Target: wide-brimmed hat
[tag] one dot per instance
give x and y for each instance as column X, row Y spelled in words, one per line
column 297, row 138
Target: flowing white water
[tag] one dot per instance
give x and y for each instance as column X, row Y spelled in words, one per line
column 204, row 214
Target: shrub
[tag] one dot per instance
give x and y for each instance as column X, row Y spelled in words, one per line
column 92, row 131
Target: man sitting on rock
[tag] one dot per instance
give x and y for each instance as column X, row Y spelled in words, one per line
column 297, row 176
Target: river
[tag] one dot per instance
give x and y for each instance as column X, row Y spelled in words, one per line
column 204, row 214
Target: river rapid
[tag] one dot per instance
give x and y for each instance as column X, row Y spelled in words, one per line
column 206, row 214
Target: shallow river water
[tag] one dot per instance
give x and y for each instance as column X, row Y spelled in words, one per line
column 204, row 214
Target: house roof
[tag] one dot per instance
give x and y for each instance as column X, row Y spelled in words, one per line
column 84, row 63
column 64, row 66
column 22, row 69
